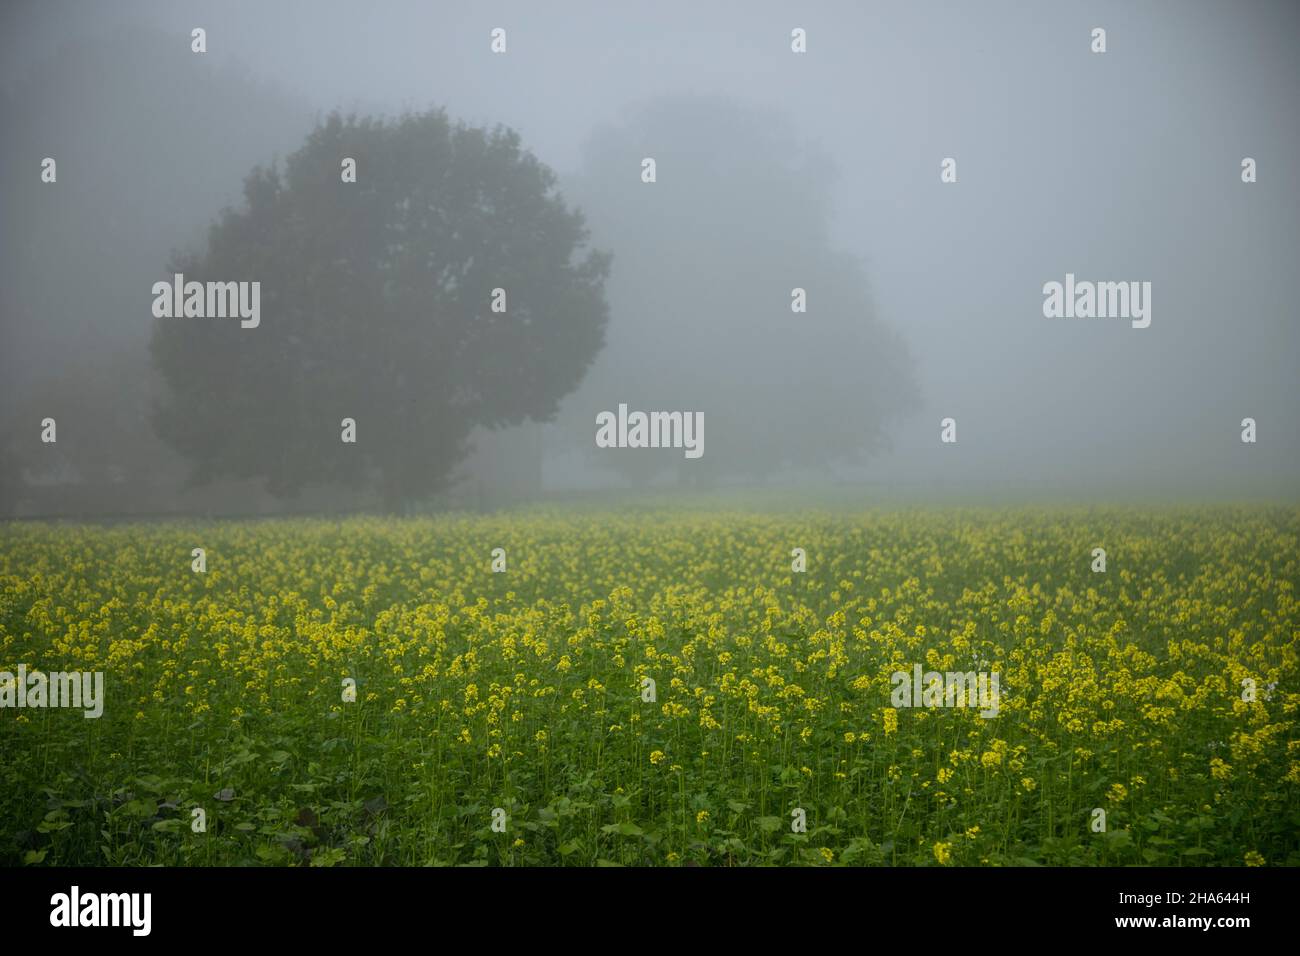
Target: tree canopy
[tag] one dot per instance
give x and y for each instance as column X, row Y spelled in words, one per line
column 709, row 258
column 379, row 302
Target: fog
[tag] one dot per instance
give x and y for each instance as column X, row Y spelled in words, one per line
column 774, row 171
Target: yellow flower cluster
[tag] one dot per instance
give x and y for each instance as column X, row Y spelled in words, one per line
column 1162, row 690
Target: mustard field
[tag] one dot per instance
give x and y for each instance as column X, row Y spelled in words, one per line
column 660, row 687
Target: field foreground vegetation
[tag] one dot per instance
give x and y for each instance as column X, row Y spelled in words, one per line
column 1161, row 691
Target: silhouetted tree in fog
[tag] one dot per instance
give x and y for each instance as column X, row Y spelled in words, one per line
column 709, row 256
column 380, row 303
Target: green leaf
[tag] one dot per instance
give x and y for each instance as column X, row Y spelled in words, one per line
column 138, row 808
column 624, row 829
column 328, row 857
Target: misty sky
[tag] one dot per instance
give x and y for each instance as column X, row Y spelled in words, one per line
column 1122, row 166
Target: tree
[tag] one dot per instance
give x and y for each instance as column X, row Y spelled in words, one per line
column 709, row 254
column 377, row 304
